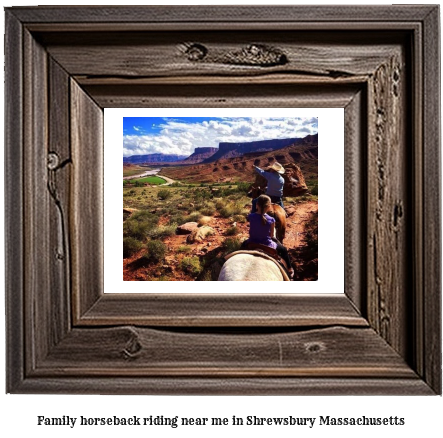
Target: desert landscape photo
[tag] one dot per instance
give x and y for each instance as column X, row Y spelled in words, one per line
column 188, row 186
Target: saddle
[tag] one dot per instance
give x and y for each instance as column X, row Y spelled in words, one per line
column 271, row 252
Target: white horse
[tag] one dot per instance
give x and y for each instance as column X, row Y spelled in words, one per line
column 251, row 266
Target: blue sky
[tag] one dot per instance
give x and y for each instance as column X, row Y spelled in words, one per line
column 153, row 125
column 181, row 135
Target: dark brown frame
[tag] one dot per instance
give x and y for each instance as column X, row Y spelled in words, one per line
column 65, row 64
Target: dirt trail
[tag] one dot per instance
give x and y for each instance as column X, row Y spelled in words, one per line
column 169, row 181
column 296, row 222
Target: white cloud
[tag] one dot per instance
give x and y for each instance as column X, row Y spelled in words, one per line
column 177, row 137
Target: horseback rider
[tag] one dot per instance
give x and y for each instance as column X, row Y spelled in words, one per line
column 261, row 231
column 275, row 184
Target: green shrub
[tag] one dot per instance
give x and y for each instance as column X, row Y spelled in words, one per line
column 243, row 187
column 232, row 244
column 178, row 218
column 200, row 194
column 166, row 209
column 208, row 209
column 231, row 208
column 238, row 207
column 163, row 231
column 232, row 231
column 156, row 251
column 145, row 215
column 227, row 211
column 185, row 249
column 135, row 229
column 140, row 224
column 238, row 190
column 130, row 246
column 191, row 265
column 219, row 203
column 164, row 194
column 193, row 217
column 240, row 218
column 204, row 220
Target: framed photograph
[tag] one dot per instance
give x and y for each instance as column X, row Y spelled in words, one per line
column 184, row 229
column 378, row 331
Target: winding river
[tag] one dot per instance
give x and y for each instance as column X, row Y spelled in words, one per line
column 150, row 173
column 146, row 173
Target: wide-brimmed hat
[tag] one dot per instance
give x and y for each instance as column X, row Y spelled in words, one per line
column 277, row 167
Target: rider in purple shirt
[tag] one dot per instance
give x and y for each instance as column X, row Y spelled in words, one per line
column 261, row 230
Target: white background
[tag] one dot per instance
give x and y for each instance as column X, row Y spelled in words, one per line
column 18, row 413
column 331, row 200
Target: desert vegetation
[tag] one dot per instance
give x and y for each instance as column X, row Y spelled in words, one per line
column 152, row 246
column 157, row 248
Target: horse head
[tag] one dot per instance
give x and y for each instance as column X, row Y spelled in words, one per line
column 255, row 191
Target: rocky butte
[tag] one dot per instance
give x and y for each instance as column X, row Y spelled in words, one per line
column 231, row 150
column 303, row 154
column 199, row 155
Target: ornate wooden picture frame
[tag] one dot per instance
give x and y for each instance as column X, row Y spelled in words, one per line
column 65, row 64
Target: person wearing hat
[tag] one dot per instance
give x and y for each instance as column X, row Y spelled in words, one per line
column 274, row 190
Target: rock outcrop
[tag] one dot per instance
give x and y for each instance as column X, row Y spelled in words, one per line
column 241, row 168
column 295, row 184
column 186, row 228
column 231, row 150
column 199, row 155
column 200, row 234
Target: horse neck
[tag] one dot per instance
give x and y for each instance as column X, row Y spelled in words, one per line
column 271, row 211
